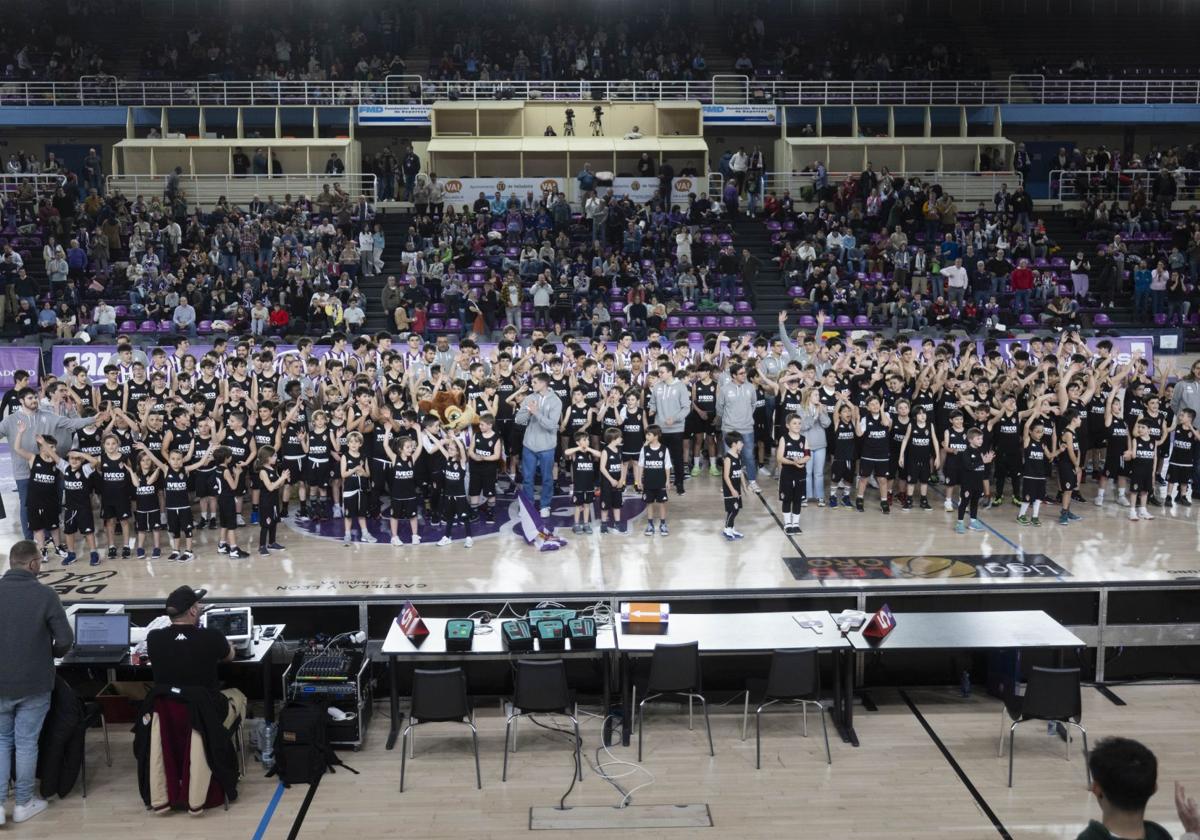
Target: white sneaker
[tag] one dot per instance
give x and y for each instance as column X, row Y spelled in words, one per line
column 444, row 541
column 468, row 542
column 397, row 541
column 1145, row 514
column 754, row 487
column 337, row 511
column 1133, row 515
column 1123, row 501
column 545, row 512
column 416, row 539
column 346, row 538
column 764, row 471
column 948, row 506
column 29, row 810
column 367, row 538
column 1098, row 501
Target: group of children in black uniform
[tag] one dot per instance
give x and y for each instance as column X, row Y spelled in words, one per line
column 181, row 434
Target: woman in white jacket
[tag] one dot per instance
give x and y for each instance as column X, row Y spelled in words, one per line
column 814, row 420
column 683, row 246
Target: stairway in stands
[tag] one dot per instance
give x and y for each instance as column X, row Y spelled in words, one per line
column 395, row 228
column 767, row 294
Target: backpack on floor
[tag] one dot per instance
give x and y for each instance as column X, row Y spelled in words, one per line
column 302, row 750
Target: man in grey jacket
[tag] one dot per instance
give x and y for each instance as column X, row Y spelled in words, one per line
column 23, row 427
column 670, row 402
column 33, row 630
column 540, row 414
column 1187, row 395
column 735, row 407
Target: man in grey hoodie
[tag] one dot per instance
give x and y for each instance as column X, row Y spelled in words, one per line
column 735, row 407
column 670, row 403
column 540, row 414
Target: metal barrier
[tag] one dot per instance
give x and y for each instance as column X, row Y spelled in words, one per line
column 409, row 89
column 204, row 190
column 968, row 188
column 1086, row 184
column 43, row 184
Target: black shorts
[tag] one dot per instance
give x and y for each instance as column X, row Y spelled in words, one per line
column 918, row 472
column 454, row 509
column 841, row 469
column 205, row 483
column 295, row 465
column 1141, row 478
column 953, row 472
column 1067, row 479
column 483, row 481
column 146, row 521
column 43, row 517
column 355, row 504
column 732, row 504
column 179, row 522
column 403, row 508
column 226, row 513
column 654, row 497
column 697, row 425
column 318, row 473
column 611, row 498
column 114, row 509
column 879, row 469
column 79, row 521
column 792, row 484
column 1180, row 474
column 583, row 497
column 1114, row 465
column 1033, row 489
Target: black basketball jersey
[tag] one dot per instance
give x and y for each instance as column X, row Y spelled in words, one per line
column 793, row 449
column 176, row 488
column 319, row 445
column 1183, row 448
column 1144, row 452
column 583, row 472
column 920, row 444
column 485, row 447
column 956, row 443
column 239, row 445
column 77, row 488
column 404, row 484
column 735, row 475
column 706, row 398
column 843, row 441
column 1033, row 462
column 875, row 438
column 654, row 467
column 612, row 464
column 89, row 442
column 1007, row 434
column 633, row 431
column 264, row 434
column 896, row 438
column 577, row 419
column 43, row 480
column 454, row 478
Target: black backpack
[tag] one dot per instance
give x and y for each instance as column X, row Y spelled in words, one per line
column 302, row 750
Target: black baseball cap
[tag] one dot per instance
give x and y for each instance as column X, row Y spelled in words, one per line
column 183, row 599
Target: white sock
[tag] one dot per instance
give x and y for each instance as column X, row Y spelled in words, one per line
column 1100, row 495
column 1120, row 492
column 1037, row 504
column 1024, row 509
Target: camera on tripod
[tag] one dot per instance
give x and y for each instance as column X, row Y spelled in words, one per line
column 569, row 125
column 598, row 122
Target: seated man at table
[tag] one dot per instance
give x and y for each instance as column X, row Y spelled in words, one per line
column 185, row 657
column 1124, row 777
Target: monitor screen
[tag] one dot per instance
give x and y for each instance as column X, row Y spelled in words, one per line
column 95, row 630
column 230, row 624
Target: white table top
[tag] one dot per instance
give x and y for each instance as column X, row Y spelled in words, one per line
column 972, row 631
column 733, row 632
column 484, row 644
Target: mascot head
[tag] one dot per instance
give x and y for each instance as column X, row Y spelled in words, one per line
column 447, row 406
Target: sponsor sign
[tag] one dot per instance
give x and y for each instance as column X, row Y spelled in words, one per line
column 95, row 356
column 927, row 567
column 13, row 359
column 741, row 114
column 467, row 190
column 394, row 114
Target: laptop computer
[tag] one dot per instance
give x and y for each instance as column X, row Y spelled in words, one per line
column 99, row 639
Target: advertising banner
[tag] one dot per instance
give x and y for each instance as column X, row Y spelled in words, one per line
column 19, row 358
column 95, row 356
column 461, row 191
column 741, row 114
column 394, row 114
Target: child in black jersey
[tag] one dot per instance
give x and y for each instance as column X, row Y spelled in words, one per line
column 403, row 486
column 320, row 448
column 177, row 482
column 613, row 474
column 1116, row 437
column 1035, row 468
column 841, row 472
column 356, row 485
column 42, row 500
column 583, row 460
column 1139, row 460
column 485, row 454
column 147, row 514
column 792, row 457
column 972, row 467
column 954, row 445
column 455, row 507
column 269, row 482
column 1182, row 459
column 918, row 454
column 227, row 478
column 204, row 478
column 633, row 430
column 653, row 467
column 78, row 476
column 732, row 482
column 115, row 492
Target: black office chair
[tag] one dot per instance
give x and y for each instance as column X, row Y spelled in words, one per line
column 674, row 671
column 93, row 715
column 794, row 678
column 1052, row 694
column 541, row 688
column 440, row 696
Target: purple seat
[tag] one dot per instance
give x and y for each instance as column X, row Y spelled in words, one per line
column 480, row 264
column 436, row 324
column 862, row 321
column 728, row 322
column 695, row 337
column 617, row 307
column 1058, row 262
column 795, row 291
column 527, row 308
column 204, row 328
column 647, row 263
column 710, row 322
column 689, row 305
column 1027, row 320
column 691, row 322
column 739, row 292
column 741, row 306
column 843, row 321
column 615, row 292
column 148, row 327
column 1101, row 320
column 437, row 309
column 1041, row 262
column 725, row 239
column 498, row 226
column 808, row 322
column 1160, row 319
column 526, row 323
column 453, row 324
column 127, row 327
column 674, row 322
column 789, row 225
column 774, row 226
column 748, row 322
column 122, row 310
column 166, row 326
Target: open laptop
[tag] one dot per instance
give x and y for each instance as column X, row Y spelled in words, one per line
column 100, row 639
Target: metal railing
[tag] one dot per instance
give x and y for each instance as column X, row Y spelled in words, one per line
column 1086, row 184
column 399, row 90
column 204, row 191
column 968, row 188
column 11, row 185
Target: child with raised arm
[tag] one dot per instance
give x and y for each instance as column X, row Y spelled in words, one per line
column 403, row 486
column 269, row 482
column 732, row 482
column 582, row 459
column 613, row 473
column 176, row 484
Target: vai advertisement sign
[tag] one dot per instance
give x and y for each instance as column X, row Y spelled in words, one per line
column 741, row 115
column 467, row 190
column 393, row 114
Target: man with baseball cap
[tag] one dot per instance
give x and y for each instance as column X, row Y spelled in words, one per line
column 186, row 654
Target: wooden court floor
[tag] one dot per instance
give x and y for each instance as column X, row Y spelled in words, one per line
column 836, row 546
column 904, row 781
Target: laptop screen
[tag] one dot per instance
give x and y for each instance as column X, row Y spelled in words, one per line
column 230, row 623
column 93, row 630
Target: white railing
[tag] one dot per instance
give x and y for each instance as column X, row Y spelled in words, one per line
column 968, row 188
column 204, row 191
column 398, row 90
column 43, row 184
column 1083, row 185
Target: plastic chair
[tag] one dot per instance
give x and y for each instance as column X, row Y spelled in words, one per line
column 741, row 306
column 436, row 324
column 437, row 309
column 439, row 696
column 710, row 322
column 794, row 678
column 1027, row 320
column 453, row 324
column 1051, row 694
column 541, row 688
column 808, row 321
column 204, row 328
column 844, row 321
column 1101, row 320
column 862, row 321
column 674, row 671
column 127, row 327
column 748, row 322
column 691, row 322
column 728, row 322
column 695, row 338
column 148, row 327
column 674, row 322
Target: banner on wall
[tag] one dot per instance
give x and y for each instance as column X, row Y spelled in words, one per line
column 466, row 190
column 741, row 114
column 394, row 114
column 94, row 357
column 12, row 359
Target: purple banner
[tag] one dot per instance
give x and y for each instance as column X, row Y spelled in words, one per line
column 95, row 356
column 19, row 358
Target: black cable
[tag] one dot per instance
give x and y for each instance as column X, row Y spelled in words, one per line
column 576, row 770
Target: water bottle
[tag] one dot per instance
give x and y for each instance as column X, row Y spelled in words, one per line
column 268, row 747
